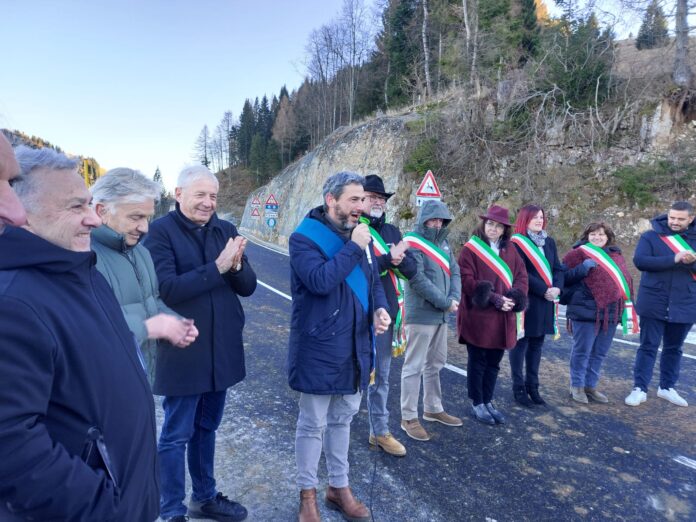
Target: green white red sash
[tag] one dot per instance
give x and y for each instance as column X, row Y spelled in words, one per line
column 611, row 268
column 380, row 248
column 543, row 268
column 677, row 244
column 430, row 249
column 496, row 263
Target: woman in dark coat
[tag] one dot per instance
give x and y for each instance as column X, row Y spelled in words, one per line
column 595, row 305
column 545, row 275
column 494, row 289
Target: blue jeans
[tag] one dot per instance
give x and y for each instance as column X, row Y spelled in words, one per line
column 527, row 349
column 652, row 332
column 378, row 392
column 590, row 347
column 190, row 422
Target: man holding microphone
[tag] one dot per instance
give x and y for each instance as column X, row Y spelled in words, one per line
column 338, row 306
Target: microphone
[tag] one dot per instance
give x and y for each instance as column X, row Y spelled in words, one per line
column 369, row 255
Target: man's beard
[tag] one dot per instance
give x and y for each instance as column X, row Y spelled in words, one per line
column 343, row 219
column 376, row 212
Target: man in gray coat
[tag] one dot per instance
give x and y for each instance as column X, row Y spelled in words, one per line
column 431, row 295
column 125, row 200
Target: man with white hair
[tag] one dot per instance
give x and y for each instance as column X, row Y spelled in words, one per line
column 125, row 200
column 77, row 421
column 202, row 271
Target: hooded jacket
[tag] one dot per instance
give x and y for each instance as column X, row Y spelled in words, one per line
column 330, row 347
column 184, row 254
column 68, row 364
column 407, row 267
column 131, row 274
column 431, row 291
column 667, row 289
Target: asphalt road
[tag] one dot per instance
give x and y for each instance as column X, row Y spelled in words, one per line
column 564, row 461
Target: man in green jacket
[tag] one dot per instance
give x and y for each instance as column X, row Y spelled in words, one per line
column 431, row 295
column 125, row 201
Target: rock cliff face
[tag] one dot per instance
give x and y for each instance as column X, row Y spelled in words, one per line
column 376, row 147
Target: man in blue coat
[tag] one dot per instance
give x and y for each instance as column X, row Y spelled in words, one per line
column 337, row 299
column 77, row 422
column 666, row 300
column 202, row 271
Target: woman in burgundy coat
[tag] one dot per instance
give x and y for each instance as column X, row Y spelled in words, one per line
column 494, row 290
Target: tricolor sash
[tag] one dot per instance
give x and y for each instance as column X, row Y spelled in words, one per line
column 610, row 267
column 677, row 244
column 330, row 244
column 380, row 248
column 496, row 263
column 543, row 268
column 430, row 249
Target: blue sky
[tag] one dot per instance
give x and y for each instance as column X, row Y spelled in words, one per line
column 131, row 83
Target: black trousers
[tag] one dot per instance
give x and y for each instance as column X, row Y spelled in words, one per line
column 527, row 349
column 482, row 372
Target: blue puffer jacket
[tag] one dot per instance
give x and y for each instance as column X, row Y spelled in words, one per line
column 667, row 290
column 330, row 349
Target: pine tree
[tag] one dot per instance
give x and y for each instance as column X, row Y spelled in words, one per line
column 257, row 157
column 247, row 129
column 530, row 30
column 653, row 29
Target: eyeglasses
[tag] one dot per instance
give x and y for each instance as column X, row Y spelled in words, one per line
column 373, row 197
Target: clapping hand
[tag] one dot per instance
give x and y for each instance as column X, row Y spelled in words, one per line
column 398, row 252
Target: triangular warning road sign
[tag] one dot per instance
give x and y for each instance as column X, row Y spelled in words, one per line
column 271, row 200
column 255, row 212
column 256, row 201
column 428, row 187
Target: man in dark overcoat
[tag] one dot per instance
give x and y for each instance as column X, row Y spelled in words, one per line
column 666, row 300
column 202, row 271
column 77, row 420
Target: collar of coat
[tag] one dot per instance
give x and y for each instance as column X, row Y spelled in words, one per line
column 108, row 237
column 190, row 225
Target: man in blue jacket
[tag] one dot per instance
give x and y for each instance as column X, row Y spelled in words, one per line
column 337, row 299
column 77, row 423
column 666, row 300
column 202, row 271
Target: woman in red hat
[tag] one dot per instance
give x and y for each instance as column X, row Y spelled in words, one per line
column 545, row 275
column 494, row 293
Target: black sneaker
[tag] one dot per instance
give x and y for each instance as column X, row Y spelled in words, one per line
column 219, row 508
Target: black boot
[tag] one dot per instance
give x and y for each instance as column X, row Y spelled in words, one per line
column 533, row 392
column 521, row 396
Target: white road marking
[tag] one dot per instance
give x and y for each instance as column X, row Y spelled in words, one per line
column 286, row 296
column 455, row 369
column 686, row 461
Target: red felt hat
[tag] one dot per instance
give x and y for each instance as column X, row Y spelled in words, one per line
column 498, row 214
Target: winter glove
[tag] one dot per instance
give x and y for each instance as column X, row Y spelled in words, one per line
column 589, row 264
column 497, row 301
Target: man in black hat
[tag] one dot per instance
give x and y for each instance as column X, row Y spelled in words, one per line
column 394, row 264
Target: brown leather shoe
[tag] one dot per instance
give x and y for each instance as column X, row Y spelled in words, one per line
column 309, row 511
column 342, row 499
column 443, row 418
column 388, row 444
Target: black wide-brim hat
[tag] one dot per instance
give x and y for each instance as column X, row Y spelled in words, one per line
column 374, row 183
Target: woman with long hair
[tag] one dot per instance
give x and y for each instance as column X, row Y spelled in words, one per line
column 545, row 275
column 494, row 292
column 597, row 288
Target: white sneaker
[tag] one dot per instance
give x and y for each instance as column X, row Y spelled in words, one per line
column 671, row 395
column 636, row 397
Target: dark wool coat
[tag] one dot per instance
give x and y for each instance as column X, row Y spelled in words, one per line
column 592, row 295
column 330, row 348
column 68, row 363
column 667, row 290
column 184, row 254
column 479, row 323
column 407, row 267
column 538, row 319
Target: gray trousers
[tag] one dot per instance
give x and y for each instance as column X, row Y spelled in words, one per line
column 324, row 423
column 426, row 355
column 378, row 392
